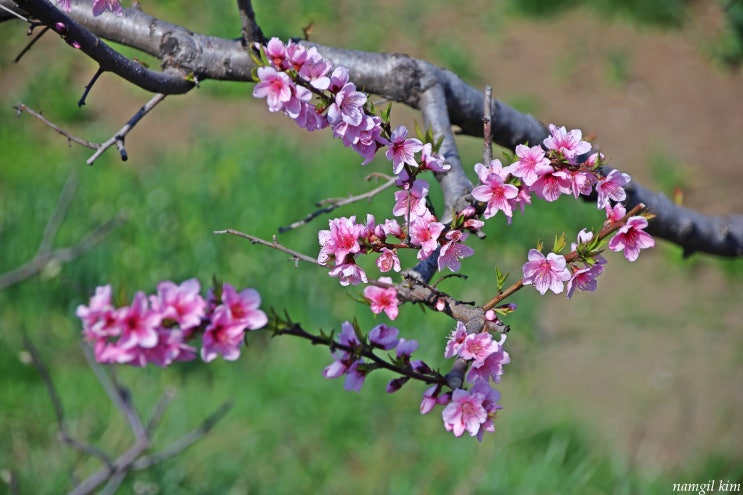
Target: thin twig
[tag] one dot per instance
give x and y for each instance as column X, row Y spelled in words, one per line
column 487, row 127
column 23, row 108
column 30, row 44
column 82, row 447
column 118, row 138
column 159, row 410
column 61, row 255
column 60, row 211
column 185, row 441
column 89, row 86
column 273, row 244
column 6, row 9
column 119, row 398
column 338, row 203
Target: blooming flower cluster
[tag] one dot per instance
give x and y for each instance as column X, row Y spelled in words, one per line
column 558, row 167
column 300, row 83
column 472, row 410
column 350, row 350
column 157, row 329
column 99, row 6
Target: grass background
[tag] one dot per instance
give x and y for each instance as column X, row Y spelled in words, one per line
column 233, row 165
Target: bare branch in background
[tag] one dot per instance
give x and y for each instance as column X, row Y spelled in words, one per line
column 46, row 255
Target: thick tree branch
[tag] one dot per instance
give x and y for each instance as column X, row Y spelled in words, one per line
column 394, row 76
column 170, row 81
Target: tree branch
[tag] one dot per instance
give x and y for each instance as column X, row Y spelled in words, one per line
column 394, row 76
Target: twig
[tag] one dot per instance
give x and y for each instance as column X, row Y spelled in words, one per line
column 30, row 43
column 185, row 441
column 338, row 203
column 23, row 108
column 366, row 351
column 60, row 211
column 159, row 410
column 89, row 86
column 487, row 127
column 65, row 436
column 117, row 395
column 251, row 32
column 275, row 244
column 118, row 138
column 13, row 12
column 45, row 255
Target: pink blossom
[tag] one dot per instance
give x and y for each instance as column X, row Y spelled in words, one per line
column 296, row 56
column 310, row 118
column 425, row 233
column 138, row 324
column 454, row 251
column 222, row 336
column 584, row 279
column 611, row 188
column 491, row 366
column 429, row 399
column 430, row 160
column 532, row 164
column 569, row 143
column 340, row 241
column 584, row 237
column 355, row 376
column 276, row 52
column 315, row 69
column 580, row 182
column 170, row 347
column 411, row 202
column 349, row 273
column 546, row 273
column 489, row 403
column 347, row 106
column 465, row 413
column 614, row 214
column 456, row 340
column 383, row 299
column 477, row 347
column 344, row 361
column 384, row 337
column 388, row 260
column 348, row 335
column 494, row 190
column 243, row 307
column 402, row 150
column 368, row 138
column 277, row 88
column 631, row 237
column 99, row 318
column 100, row 6
column 392, row 227
column 405, row 348
column 180, row 303
column 64, row 5
column 551, row 185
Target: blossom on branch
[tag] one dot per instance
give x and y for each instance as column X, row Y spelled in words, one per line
column 631, row 238
column 383, row 299
column 546, row 272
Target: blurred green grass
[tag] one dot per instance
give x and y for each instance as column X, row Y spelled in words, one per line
column 289, row 429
